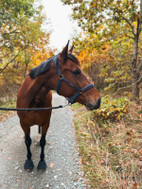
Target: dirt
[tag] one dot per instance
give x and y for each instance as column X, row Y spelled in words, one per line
column 61, row 154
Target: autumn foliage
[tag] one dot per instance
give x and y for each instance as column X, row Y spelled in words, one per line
column 23, row 43
column 117, row 24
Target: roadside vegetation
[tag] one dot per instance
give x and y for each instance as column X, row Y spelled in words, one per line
column 110, row 141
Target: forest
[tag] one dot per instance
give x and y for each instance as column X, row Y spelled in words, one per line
column 109, row 49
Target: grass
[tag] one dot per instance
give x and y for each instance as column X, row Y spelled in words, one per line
column 111, row 154
column 5, row 114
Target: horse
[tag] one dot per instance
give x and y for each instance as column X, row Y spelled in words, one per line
column 63, row 74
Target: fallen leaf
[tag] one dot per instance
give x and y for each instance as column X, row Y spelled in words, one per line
column 51, row 165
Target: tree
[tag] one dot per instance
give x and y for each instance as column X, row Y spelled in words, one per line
column 21, row 40
column 126, row 14
column 20, row 28
column 13, row 16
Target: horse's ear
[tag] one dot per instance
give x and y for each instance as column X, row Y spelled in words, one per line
column 64, row 52
column 71, row 50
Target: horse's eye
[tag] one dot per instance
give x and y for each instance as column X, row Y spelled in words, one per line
column 76, row 72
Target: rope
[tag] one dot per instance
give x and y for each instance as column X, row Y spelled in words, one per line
column 33, row 109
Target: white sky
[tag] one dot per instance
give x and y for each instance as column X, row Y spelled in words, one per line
column 61, row 26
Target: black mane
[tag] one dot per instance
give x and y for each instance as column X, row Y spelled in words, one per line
column 44, row 66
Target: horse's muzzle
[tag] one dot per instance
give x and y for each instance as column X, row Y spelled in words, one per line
column 91, row 106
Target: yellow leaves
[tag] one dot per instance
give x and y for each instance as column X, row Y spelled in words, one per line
column 82, row 54
column 135, row 24
column 37, row 62
column 105, row 115
column 88, row 56
column 39, row 56
column 93, row 4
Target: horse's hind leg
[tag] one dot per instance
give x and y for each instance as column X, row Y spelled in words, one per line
column 45, row 118
column 42, row 164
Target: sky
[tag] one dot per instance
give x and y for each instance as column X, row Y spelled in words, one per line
column 61, row 26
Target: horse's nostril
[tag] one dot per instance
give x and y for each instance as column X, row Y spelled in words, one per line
column 99, row 102
column 96, row 106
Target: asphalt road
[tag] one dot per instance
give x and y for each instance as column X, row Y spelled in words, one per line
column 61, row 155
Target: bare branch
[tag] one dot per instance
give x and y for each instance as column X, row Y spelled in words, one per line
column 139, row 81
column 1, row 70
column 132, row 27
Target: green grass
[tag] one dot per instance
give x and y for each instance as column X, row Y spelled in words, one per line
column 76, row 106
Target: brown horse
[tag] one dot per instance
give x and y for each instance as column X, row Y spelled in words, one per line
column 63, row 74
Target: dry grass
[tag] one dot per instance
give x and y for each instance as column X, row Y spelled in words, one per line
column 112, row 154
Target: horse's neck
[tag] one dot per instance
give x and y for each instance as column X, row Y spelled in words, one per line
column 35, row 89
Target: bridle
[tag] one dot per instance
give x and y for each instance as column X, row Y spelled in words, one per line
column 62, row 78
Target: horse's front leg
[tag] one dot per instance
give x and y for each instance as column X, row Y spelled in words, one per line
column 28, row 163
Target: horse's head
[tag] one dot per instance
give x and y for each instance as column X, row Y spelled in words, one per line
column 72, row 83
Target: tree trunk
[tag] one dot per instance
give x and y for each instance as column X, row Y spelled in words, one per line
column 135, row 85
column 135, row 71
column 135, row 74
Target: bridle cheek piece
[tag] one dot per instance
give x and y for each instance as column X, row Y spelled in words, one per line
column 62, row 78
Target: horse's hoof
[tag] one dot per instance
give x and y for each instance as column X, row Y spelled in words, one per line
column 29, row 165
column 42, row 166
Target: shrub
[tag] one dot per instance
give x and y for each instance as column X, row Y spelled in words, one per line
column 111, row 109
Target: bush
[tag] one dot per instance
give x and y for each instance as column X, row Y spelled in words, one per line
column 111, row 108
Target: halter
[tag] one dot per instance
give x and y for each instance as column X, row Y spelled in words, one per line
column 62, row 78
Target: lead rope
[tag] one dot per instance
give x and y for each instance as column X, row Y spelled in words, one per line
column 34, row 109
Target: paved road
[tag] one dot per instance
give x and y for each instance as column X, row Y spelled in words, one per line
column 62, row 158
